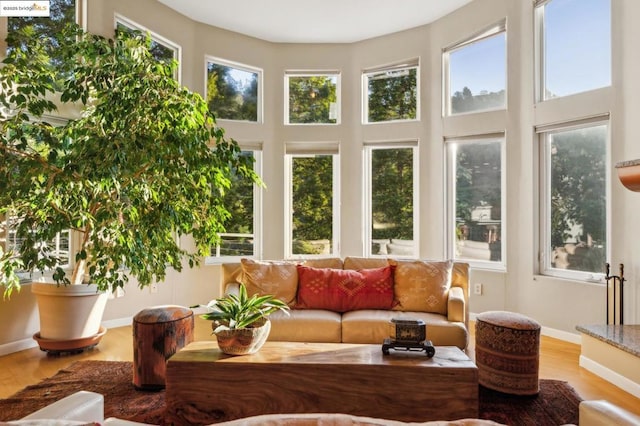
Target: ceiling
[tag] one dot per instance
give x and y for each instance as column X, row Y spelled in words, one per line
column 324, row 21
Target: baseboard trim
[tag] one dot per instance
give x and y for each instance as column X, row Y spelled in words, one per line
column 17, row 346
column 611, row 376
column 21, row 345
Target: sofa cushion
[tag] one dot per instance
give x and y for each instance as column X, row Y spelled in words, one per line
column 422, row 285
column 345, row 290
column 306, row 325
column 277, row 278
column 373, row 326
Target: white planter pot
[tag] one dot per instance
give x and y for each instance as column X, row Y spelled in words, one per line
column 69, row 312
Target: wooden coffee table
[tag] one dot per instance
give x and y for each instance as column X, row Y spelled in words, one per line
column 206, row 386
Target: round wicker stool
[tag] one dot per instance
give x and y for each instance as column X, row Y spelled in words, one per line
column 508, row 352
column 158, row 333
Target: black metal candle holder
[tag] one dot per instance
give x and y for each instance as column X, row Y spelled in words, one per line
column 617, row 288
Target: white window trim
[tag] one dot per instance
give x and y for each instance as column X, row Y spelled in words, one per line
column 451, row 200
column 398, row 66
column 325, row 73
column 300, row 149
column 241, row 67
column 369, row 147
column 491, row 31
column 177, row 49
column 544, row 255
column 256, row 148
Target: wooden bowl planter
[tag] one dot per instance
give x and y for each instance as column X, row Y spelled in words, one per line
column 243, row 341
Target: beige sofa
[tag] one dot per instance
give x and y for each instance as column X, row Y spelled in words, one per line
column 435, row 292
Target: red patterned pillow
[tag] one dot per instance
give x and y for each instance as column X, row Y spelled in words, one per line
column 342, row 290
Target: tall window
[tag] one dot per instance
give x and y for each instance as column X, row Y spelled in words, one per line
column 391, row 93
column 161, row 48
column 61, row 13
column 234, row 90
column 574, row 240
column 243, row 201
column 476, row 73
column 476, row 193
column 574, row 39
column 312, row 98
column 391, row 188
column 312, row 199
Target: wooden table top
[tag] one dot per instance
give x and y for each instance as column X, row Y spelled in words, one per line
column 326, row 353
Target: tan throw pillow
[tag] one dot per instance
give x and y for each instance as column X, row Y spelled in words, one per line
column 422, row 286
column 277, row 278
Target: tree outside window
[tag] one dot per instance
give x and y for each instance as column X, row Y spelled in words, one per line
column 478, row 199
column 159, row 50
column 239, row 236
column 392, row 201
column 232, row 92
column 392, row 95
column 312, row 99
column 577, row 233
column 61, row 13
column 312, row 204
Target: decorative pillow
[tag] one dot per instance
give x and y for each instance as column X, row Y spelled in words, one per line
column 279, row 279
column 342, row 290
column 422, row 286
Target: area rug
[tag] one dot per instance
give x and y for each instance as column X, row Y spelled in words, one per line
column 557, row 403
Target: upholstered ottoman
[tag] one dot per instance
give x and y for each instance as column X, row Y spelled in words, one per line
column 158, row 333
column 508, row 352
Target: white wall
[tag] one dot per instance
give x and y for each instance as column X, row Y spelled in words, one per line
column 557, row 304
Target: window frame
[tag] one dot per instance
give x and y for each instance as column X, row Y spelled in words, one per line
column 487, row 33
column 313, row 73
column 240, row 67
column 368, row 148
column 398, row 66
column 256, row 149
column 177, row 49
column 451, row 193
column 311, row 149
column 544, row 267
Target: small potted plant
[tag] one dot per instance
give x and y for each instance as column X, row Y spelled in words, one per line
column 240, row 322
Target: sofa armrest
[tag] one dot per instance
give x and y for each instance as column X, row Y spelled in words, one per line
column 604, row 413
column 456, row 305
column 81, row 406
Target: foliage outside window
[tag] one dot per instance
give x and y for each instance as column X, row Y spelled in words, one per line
column 477, row 73
column 575, row 239
column 391, row 93
column 161, row 49
column 312, row 98
column 233, row 91
column 392, row 197
column 313, row 204
column 240, row 237
column 61, row 13
column 574, row 38
column 477, row 192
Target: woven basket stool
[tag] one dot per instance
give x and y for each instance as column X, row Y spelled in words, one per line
column 508, row 352
column 158, row 333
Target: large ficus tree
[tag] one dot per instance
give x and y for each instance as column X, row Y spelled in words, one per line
column 143, row 164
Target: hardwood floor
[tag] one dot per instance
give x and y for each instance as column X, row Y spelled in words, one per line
column 559, row 360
